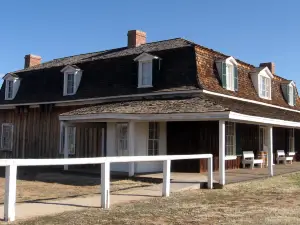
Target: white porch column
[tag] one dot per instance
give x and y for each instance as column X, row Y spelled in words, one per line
column 66, row 144
column 131, row 141
column 222, row 152
column 270, row 150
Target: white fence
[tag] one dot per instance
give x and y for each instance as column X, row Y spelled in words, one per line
column 12, row 164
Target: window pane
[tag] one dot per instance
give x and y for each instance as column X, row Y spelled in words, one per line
column 147, row 73
column 70, row 84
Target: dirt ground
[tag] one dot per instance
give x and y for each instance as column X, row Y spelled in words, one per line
column 269, row 201
column 57, row 185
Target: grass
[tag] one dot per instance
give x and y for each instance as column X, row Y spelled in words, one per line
column 269, row 201
column 56, row 186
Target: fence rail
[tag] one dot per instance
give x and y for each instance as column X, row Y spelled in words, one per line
column 12, row 164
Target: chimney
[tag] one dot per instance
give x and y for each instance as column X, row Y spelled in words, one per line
column 32, row 60
column 136, row 38
column 270, row 65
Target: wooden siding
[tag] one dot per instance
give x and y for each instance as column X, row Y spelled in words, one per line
column 37, row 133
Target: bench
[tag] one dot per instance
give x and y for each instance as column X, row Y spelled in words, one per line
column 248, row 158
column 284, row 158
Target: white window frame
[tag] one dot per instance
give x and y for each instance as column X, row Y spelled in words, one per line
column 76, row 73
column 153, row 138
column 230, row 139
column 291, row 94
column 291, row 140
column 265, row 92
column 262, row 138
column 122, row 141
column 229, row 76
column 7, row 91
column 11, row 136
column 68, row 84
column 141, row 74
column 72, row 146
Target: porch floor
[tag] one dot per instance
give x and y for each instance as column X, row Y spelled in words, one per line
column 232, row 176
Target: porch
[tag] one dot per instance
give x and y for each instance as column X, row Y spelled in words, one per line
column 232, row 176
column 190, row 125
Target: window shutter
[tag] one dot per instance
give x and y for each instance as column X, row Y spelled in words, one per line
column 236, row 78
column 285, row 91
column 294, row 96
column 223, row 75
column 156, row 72
column 135, row 73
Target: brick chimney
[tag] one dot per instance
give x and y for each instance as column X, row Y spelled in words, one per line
column 32, row 60
column 136, row 38
column 270, row 65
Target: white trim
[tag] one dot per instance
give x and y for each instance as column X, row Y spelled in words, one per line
column 262, row 120
column 248, row 100
column 230, row 157
column 230, row 60
column 145, row 57
column 11, row 136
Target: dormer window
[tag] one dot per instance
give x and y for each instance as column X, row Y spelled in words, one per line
column 228, row 72
column 72, row 78
column 70, row 83
column 148, row 65
column 9, row 89
column 265, row 87
column 262, row 81
column 289, row 92
column 12, row 83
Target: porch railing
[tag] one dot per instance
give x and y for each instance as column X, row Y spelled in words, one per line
column 12, row 164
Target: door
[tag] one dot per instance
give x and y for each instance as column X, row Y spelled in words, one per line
column 122, row 139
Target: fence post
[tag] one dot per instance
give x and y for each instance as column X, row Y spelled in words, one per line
column 105, row 183
column 10, row 192
column 210, row 173
column 167, row 178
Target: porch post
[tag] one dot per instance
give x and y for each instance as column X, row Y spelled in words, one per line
column 66, row 144
column 222, row 152
column 270, row 150
column 131, row 141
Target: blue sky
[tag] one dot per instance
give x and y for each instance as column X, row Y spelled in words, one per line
column 253, row 31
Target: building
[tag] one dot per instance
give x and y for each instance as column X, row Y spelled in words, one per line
column 166, row 97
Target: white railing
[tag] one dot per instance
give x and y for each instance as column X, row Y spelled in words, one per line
column 12, row 164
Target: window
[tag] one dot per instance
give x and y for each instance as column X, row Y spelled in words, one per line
column 72, row 78
column 230, row 138
column 122, row 139
column 265, row 87
column 291, row 140
column 230, row 77
column 262, row 138
column 70, row 83
column 228, row 72
column 9, row 89
column 146, row 76
column 7, row 136
column 291, row 95
column 153, row 138
column 72, row 140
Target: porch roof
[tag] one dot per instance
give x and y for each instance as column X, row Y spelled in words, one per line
column 200, row 104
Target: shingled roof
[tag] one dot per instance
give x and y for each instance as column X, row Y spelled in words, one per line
column 201, row 103
column 109, row 73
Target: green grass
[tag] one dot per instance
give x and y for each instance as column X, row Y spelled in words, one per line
column 269, row 201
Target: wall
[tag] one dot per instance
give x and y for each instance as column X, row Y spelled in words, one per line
column 141, row 138
column 36, row 133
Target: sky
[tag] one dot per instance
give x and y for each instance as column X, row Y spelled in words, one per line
column 253, row 31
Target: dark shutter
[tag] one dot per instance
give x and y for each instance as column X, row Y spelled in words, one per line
column 236, row 78
column 156, row 64
column 223, row 75
column 285, row 92
column 294, row 96
column 135, row 73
